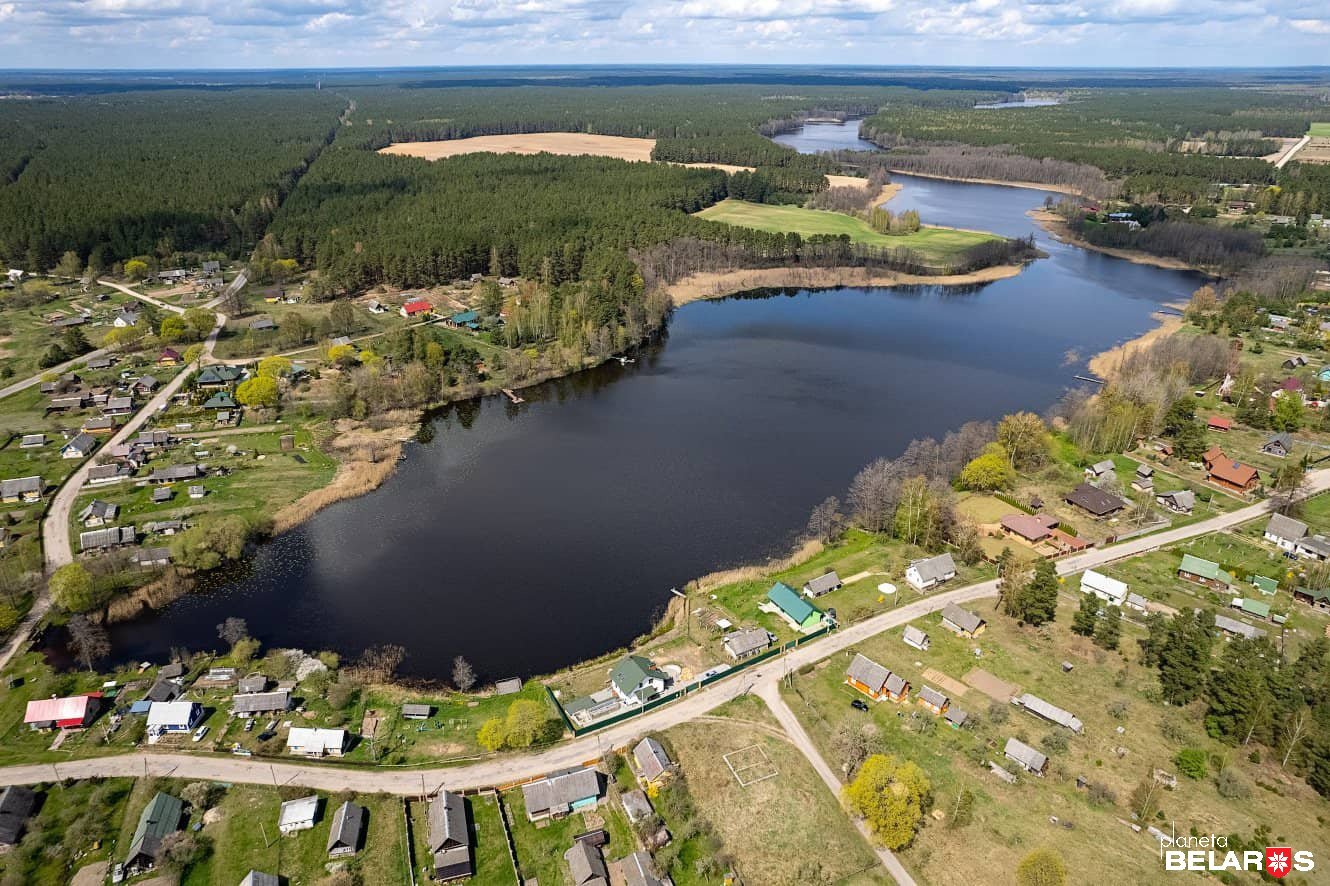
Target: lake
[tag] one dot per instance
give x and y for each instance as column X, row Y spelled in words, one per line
column 530, row 537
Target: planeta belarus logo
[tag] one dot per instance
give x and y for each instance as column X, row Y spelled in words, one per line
column 1278, row 861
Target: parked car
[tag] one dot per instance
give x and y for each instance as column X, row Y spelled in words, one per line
column 859, row 704
column 200, row 732
column 249, row 725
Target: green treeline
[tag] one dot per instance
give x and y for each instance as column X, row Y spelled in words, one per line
column 137, row 173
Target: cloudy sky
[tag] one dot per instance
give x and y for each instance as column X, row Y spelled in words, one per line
column 340, row 33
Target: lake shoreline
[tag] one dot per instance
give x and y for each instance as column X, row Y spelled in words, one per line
column 1057, row 228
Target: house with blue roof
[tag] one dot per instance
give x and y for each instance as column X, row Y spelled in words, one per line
column 786, row 602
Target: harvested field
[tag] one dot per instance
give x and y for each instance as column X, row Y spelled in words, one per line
column 566, row 143
column 998, row 690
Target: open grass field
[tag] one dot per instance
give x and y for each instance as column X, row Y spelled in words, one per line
column 934, row 244
column 1107, row 691
column 1319, row 130
column 793, row 810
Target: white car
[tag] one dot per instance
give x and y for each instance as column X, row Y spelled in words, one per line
column 200, row 732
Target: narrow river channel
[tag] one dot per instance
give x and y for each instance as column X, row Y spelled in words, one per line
column 529, row 537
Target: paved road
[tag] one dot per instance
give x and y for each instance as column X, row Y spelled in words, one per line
column 1288, row 155
column 52, row 370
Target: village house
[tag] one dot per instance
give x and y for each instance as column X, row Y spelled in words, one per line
column 175, row 474
column 651, row 761
column 161, row 494
column 73, row 401
column 1144, row 479
column 416, row 711
column 98, row 513
column 555, row 796
column 823, row 584
column 105, row 424
column 1179, row 501
column 955, row 717
column 22, row 489
column 639, row 869
column 1284, row 532
column 316, row 742
column 1255, row 608
column 586, row 864
column 215, row 377
column 1204, row 572
column 636, row 679
column 1233, row 475
column 1219, row 423
column 1029, row 528
column 464, row 320
column 298, row 815
column 163, row 689
column 374, row 306
column 1110, row 590
column 16, row 804
column 254, row 704
column 449, row 842
column 262, row 324
column 930, row 572
column 1025, row 756
column 746, row 643
column 1100, row 471
column 1313, row 598
column 159, row 819
column 125, row 319
column 636, row 805
column 169, row 357
column 916, row 638
column 1094, row 501
column 962, row 622
column 347, row 831
column 220, row 400
column 146, row 384
column 1264, row 584
column 1050, row 712
column 794, row 609
column 32, row 441
column 876, row 681
column 1279, row 445
column 101, row 475
column 71, row 712
column 1313, row 547
column 102, row 362
column 151, row 558
column 107, row 538
column 166, row 717
column 1234, row 628
column 933, row 700
column 80, row 447
column 416, row 308
column 118, row 406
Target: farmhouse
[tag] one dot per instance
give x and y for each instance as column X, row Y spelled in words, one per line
column 298, row 815
column 1101, row 471
column 16, row 804
column 915, row 637
column 160, row 818
column 449, row 842
column 1279, row 446
column 104, row 539
column 636, row 679
column 22, row 489
column 316, row 742
column 1094, row 501
column 823, row 584
column 71, row 712
column 1180, row 501
column 1144, row 479
column 348, row 829
column 1027, row 757
column 175, row 473
column 1203, row 572
column 555, row 796
column 148, row 558
column 798, row 612
column 165, row 717
column 1233, row 475
column 639, row 869
column 417, row 308
column 933, row 700
column 746, row 643
column 1284, row 532
column 105, row 424
column 417, row 711
column 876, row 681
column 1219, row 423
column 80, row 447
column 1315, row 547
column 252, row 704
column 930, row 572
column 1235, row 628
column 251, row 683
column 98, row 513
column 651, row 760
column 962, row 621
column 1029, row 528
column 586, row 864
column 32, row 441
column 1110, row 590
column 1315, row 599
column 1050, row 712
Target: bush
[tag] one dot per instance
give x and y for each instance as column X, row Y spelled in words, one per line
column 73, row 590
column 1100, row 794
column 998, row 713
column 1192, row 762
column 203, row 794
column 1054, row 742
column 1042, row 867
column 1231, row 786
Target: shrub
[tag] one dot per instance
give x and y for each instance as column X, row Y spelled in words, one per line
column 1101, row 794
column 1192, row 762
column 1042, row 867
column 1054, row 742
column 1231, row 786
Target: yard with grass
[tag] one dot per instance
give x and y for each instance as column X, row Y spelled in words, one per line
column 541, row 845
column 1109, row 692
column 76, row 825
column 934, row 245
column 1319, row 130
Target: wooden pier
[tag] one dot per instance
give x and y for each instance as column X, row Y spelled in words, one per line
column 512, row 395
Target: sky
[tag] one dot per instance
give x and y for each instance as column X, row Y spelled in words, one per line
column 391, row 33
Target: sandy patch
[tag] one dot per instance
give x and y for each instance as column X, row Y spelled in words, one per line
column 726, row 167
column 998, row 690
column 566, row 143
column 952, row 687
column 719, row 284
column 1105, row 365
column 91, row 875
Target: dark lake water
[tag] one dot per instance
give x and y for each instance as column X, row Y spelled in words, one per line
column 527, row 538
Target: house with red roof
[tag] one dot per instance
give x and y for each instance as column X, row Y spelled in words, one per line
column 169, row 357
column 416, row 308
column 1030, row 528
column 1233, row 475
column 1219, row 423
column 73, row 712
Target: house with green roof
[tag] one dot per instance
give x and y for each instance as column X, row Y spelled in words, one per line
column 218, row 376
column 469, row 319
column 1265, row 585
column 1258, row 608
column 1204, row 572
column 220, row 400
column 786, row 602
column 1315, row 599
column 160, row 819
column 636, row 679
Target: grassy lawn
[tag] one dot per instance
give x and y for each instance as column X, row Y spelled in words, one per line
column 1011, row 820
column 541, row 845
column 1319, row 130
column 933, row 244
column 25, row 332
column 75, row 825
column 793, row 810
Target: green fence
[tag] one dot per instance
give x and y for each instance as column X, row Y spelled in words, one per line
column 739, row 667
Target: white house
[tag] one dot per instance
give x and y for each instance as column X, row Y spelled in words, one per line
column 930, row 572
column 915, row 637
column 173, row 716
column 636, row 679
column 1285, row 532
column 1110, row 590
column 316, row 742
column 298, row 815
